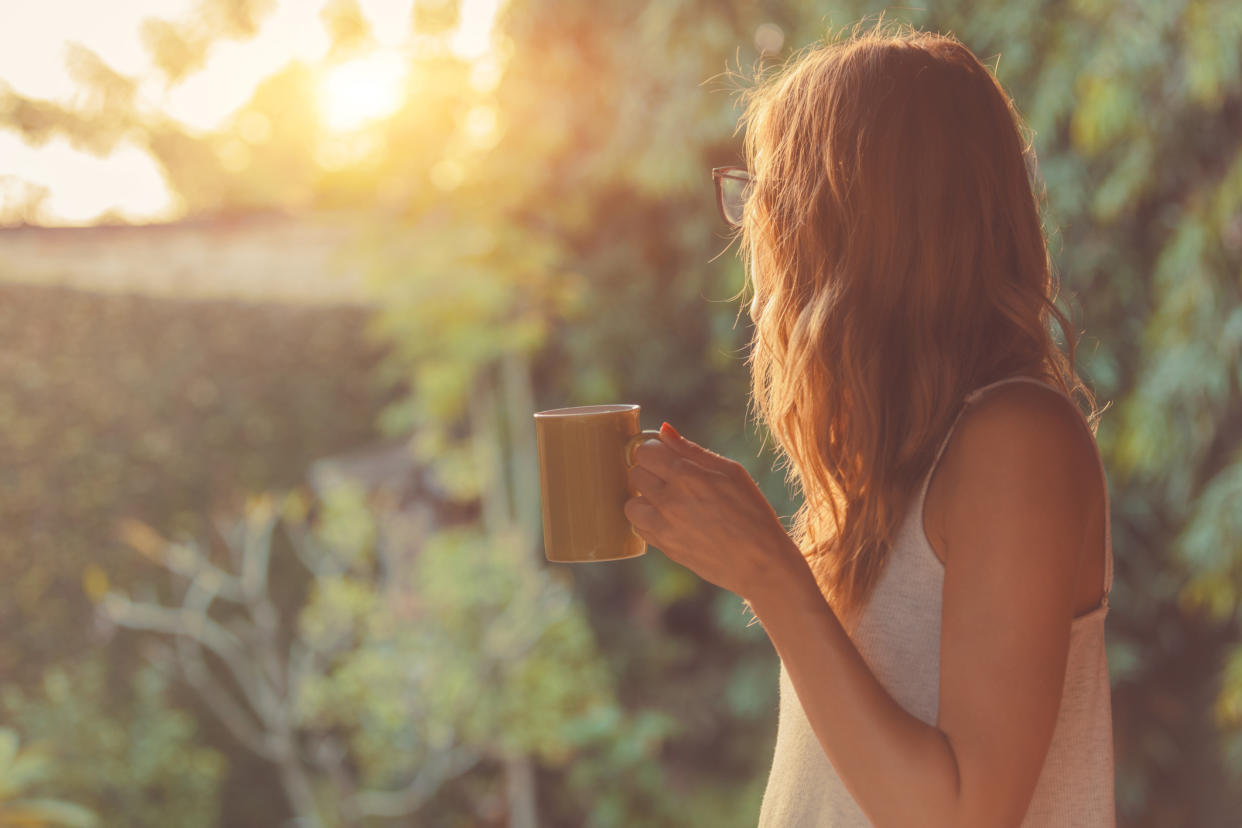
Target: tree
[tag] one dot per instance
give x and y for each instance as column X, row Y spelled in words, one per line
column 413, row 658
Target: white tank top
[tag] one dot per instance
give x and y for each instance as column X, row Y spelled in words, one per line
column 898, row 636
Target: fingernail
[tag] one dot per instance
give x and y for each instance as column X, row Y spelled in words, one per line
column 668, row 429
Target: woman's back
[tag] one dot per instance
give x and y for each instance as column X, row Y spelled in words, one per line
column 899, row 638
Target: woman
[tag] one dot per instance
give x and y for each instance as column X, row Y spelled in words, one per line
column 938, row 606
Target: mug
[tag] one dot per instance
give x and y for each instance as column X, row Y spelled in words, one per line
column 585, row 453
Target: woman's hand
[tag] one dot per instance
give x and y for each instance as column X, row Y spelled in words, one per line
column 706, row 513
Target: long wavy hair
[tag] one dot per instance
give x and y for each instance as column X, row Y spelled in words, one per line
column 893, row 239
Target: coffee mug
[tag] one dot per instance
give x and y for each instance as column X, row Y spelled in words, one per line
column 585, row 453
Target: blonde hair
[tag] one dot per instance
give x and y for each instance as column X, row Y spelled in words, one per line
column 893, row 241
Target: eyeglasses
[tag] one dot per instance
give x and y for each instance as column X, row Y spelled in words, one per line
column 733, row 186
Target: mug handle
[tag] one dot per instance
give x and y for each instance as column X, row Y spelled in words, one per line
column 632, row 443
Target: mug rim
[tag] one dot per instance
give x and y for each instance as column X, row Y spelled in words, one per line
column 586, row 410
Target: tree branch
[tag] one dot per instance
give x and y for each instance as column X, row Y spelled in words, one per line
column 455, row 762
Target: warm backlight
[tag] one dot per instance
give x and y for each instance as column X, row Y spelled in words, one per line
column 362, row 90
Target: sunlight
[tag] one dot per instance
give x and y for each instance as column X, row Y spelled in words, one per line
column 83, row 187
column 362, row 90
column 350, row 96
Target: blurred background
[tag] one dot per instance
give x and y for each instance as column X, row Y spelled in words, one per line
column 282, row 282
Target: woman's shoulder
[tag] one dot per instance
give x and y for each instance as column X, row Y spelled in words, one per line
column 1021, row 447
column 1032, row 419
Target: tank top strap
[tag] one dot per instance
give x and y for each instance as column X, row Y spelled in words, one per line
column 1108, row 540
column 939, row 451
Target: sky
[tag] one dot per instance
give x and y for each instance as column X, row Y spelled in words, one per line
column 33, row 36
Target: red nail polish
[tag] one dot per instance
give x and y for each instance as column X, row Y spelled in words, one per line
column 668, row 429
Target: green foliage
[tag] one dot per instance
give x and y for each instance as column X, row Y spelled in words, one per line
column 410, row 661
column 578, row 239
column 136, row 763
column 530, row 669
column 472, row 646
column 176, row 49
column 156, row 409
column 1139, row 114
column 346, row 25
column 22, row 770
column 1143, row 215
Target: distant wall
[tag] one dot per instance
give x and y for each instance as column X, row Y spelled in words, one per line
column 259, row 257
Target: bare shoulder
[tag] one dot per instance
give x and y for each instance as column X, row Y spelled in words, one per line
column 1022, row 449
column 1026, row 418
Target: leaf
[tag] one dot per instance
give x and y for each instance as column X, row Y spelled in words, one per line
column 46, row 812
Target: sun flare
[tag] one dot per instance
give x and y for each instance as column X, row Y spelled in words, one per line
column 362, row 90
